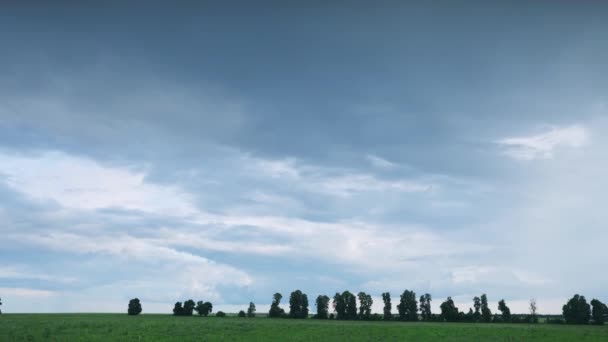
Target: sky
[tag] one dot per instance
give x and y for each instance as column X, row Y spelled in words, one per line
column 225, row 152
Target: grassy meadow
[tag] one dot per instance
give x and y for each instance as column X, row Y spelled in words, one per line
column 117, row 327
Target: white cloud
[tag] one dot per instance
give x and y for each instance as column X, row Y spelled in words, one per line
column 379, row 162
column 81, row 183
column 337, row 182
column 25, row 292
column 543, row 146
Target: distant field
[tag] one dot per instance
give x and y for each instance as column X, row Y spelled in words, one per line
column 114, row 327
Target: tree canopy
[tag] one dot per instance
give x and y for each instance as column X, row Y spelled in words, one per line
column 251, row 310
column 408, row 306
column 577, row 310
column 598, row 312
column 365, row 305
column 275, row 310
column 322, row 304
column 386, row 298
column 134, row 307
column 203, row 308
column 449, row 311
column 298, row 304
column 505, row 311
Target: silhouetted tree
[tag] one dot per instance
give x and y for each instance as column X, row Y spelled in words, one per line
column 203, row 308
column 386, row 298
column 220, row 314
column 577, row 311
column 477, row 306
column 598, row 312
column 134, row 307
column 425, row 307
column 365, row 305
column 189, row 307
column 351, row 305
column 470, row 316
column 178, row 310
column 242, row 313
column 0, row 305
column 275, row 310
column 298, row 305
column 504, row 310
column 322, row 307
column 486, row 313
column 251, row 310
column 449, row 312
column 533, row 308
column 408, row 307
column 345, row 305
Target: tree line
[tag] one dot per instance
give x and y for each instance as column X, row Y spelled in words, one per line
column 409, row 308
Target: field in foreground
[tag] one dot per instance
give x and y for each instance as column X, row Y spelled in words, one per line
column 114, row 327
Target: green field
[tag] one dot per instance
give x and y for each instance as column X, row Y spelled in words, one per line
column 114, row 327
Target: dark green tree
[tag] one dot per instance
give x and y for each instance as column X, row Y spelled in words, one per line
column 0, row 305
column 386, row 298
column 298, row 305
column 242, row 314
column 275, row 310
column 345, row 305
column 477, row 306
column 251, row 310
column 505, row 311
column 322, row 307
column 189, row 307
column 449, row 311
column 598, row 312
column 203, row 308
column 408, row 306
column 425, row 307
column 220, row 314
column 577, row 311
column 351, row 305
column 339, row 306
column 178, row 310
column 134, row 307
column 486, row 313
column 365, row 305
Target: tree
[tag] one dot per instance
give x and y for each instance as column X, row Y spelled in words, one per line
column 386, row 298
column 251, row 310
column 351, row 305
column 533, row 308
column 0, row 305
column 242, row 313
column 408, row 306
column 322, row 307
column 576, row 310
column 345, row 305
column 203, row 308
column 599, row 312
column 298, row 305
column 134, row 307
column 449, row 311
column 486, row 313
column 178, row 310
column 339, row 306
column 189, row 307
column 220, row 314
column 425, row 307
column 477, row 306
column 365, row 305
column 275, row 310
column 505, row 311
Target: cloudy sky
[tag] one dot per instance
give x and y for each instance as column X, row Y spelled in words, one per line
column 225, row 153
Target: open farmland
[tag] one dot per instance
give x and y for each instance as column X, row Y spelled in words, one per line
column 117, row 327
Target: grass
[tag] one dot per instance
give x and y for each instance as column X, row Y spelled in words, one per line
column 115, row 327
